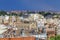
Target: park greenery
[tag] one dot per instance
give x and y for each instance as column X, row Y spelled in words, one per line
column 57, row 37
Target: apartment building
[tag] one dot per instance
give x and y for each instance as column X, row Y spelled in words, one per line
column 1, row 20
column 50, row 27
column 32, row 22
column 58, row 28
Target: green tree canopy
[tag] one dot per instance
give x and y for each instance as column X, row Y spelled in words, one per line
column 42, row 13
column 11, row 14
column 3, row 13
column 52, row 38
column 48, row 13
column 57, row 37
column 21, row 14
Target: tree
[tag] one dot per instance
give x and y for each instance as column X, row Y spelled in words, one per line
column 11, row 14
column 52, row 38
column 57, row 37
column 46, row 14
column 21, row 14
column 42, row 13
column 3, row 13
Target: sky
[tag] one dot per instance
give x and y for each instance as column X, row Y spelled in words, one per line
column 46, row 5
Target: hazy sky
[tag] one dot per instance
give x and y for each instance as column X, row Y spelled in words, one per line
column 30, row 5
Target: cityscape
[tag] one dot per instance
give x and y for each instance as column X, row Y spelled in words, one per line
column 29, row 25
